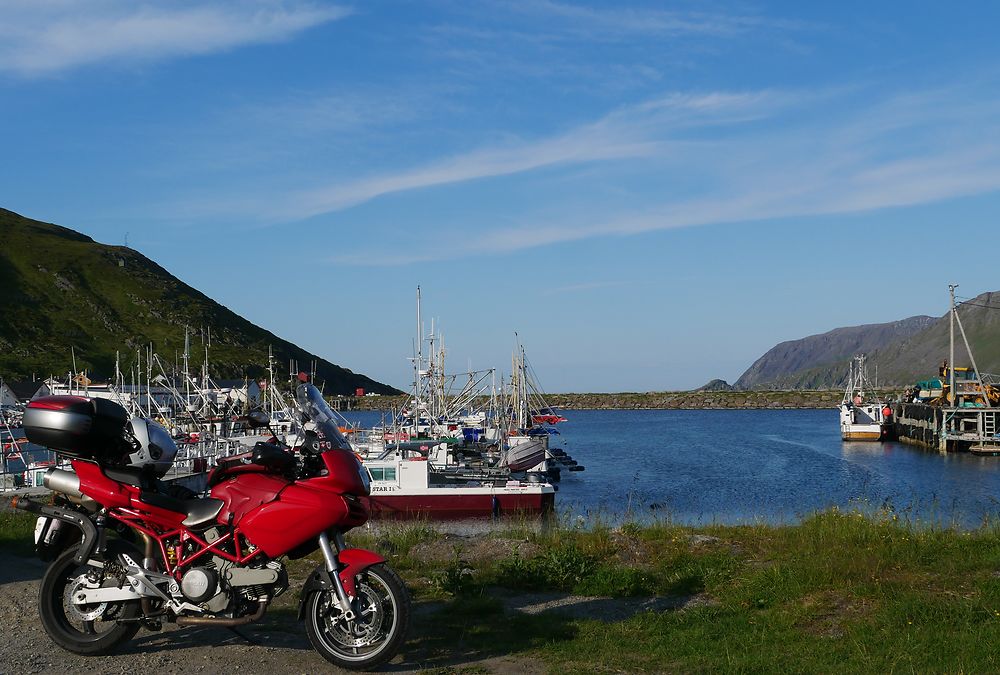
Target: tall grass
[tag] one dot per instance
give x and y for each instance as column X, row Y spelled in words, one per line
column 864, row 590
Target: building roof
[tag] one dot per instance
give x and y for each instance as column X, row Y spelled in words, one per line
column 25, row 389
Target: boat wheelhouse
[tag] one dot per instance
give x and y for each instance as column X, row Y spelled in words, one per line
column 863, row 417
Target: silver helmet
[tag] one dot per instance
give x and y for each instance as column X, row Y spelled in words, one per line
column 154, row 449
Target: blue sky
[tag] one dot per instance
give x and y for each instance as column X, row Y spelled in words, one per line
column 650, row 194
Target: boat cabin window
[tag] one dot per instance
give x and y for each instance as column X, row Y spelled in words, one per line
column 383, row 473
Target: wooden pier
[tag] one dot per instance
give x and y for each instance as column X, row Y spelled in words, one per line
column 948, row 429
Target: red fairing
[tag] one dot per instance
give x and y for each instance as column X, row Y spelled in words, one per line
column 344, row 473
column 106, row 492
column 299, row 514
column 356, row 561
column 245, row 493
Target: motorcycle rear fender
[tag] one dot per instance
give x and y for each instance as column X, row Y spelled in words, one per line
column 353, row 561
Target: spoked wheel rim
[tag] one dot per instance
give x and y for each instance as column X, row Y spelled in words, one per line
column 370, row 632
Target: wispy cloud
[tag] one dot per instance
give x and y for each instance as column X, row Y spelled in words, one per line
column 626, row 133
column 621, row 22
column 49, row 36
column 558, row 21
column 769, row 160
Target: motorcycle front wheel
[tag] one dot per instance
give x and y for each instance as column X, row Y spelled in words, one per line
column 375, row 635
column 89, row 630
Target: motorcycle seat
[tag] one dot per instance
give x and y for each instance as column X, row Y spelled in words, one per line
column 130, row 476
column 198, row 511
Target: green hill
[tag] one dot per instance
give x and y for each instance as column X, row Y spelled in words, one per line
column 61, row 289
column 820, row 361
column 918, row 357
column 904, row 351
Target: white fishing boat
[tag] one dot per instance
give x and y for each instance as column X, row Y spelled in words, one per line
column 414, row 486
column 863, row 416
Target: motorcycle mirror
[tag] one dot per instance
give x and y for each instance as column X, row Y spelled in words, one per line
column 258, row 418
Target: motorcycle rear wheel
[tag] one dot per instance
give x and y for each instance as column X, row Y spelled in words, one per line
column 375, row 636
column 87, row 630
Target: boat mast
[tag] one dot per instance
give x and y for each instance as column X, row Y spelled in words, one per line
column 418, row 362
column 187, row 373
column 149, row 381
column 268, row 399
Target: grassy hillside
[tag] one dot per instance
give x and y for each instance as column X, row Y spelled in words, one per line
column 60, row 289
column 820, row 361
column 902, row 356
column 919, row 356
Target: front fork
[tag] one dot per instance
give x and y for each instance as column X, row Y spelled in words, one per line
column 330, row 555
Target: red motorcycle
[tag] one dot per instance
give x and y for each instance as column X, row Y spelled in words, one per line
column 211, row 561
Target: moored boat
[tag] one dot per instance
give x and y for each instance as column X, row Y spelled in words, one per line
column 863, row 416
column 407, row 487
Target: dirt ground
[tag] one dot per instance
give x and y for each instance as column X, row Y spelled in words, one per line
column 282, row 644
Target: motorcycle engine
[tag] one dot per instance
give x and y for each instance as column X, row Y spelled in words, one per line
column 199, row 584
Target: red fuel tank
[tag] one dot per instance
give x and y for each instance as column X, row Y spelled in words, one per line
column 245, row 493
column 299, row 514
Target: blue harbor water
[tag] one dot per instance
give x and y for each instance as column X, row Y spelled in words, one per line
column 736, row 466
column 776, row 466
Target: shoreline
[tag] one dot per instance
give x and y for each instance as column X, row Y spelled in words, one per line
column 794, row 399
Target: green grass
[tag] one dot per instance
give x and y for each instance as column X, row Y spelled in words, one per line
column 17, row 533
column 838, row 592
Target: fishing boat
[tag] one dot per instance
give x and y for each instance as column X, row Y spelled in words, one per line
column 863, row 417
column 416, row 487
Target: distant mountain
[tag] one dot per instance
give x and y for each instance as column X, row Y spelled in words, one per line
column 919, row 356
column 60, row 289
column 716, row 385
column 820, row 361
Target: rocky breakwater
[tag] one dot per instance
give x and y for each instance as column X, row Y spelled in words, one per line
column 698, row 400
column 664, row 400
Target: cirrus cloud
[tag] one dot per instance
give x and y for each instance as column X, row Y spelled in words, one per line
column 44, row 37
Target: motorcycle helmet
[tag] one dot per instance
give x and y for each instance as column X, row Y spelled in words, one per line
column 154, row 450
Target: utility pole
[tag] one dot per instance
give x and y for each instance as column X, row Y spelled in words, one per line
column 951, row 356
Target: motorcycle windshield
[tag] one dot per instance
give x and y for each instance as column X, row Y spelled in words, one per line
column 313, row 406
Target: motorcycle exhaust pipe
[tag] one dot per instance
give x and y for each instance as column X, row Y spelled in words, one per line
column 222, row 621
column 60, row 480
column 68, row 483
